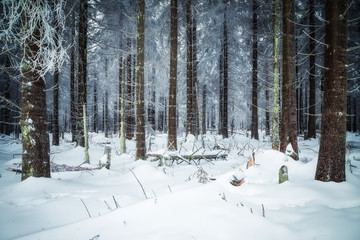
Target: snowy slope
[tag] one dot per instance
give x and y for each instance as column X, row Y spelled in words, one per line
column 177, row 205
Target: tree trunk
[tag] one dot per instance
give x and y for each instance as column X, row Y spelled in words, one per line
column 73, row 105
column 312, row 118
column 86, row 143
column 35, row 138
column 204, row 110
column 226, row 80
column 288, row 111
column 189, row 70
column 172, row 141
column 82, row 70
column 140, row 109
column 276, row 103
column 122, row 107
column 331, row 162
column 254, row 106
column 129, row 100
column 56, row 132
column 106, row 114
column 195, row 97
column 95, row 122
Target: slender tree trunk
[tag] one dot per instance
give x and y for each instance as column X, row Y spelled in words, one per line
column 140, row 108
column 56, row 131
column 312, row 118
column 95, row 122
column 106, row 114
column 254, row 106
column 276, row 103
column 204, row 110
column 122, row 107
column 195, row 97
column 189, row 72
column 288, row 119
column 35, row 138
column 331, row 162
column 86, row 143
column 73, row 103
column 226, row 80
column 5, row 111
column 82, row 70
column 267, row 108
column 221, row 90
column 172, row 140
column 129, row 100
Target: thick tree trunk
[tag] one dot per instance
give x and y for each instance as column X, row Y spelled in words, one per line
column 254, row 105
column 331, row 162
column 172, row 136
column 82, row 70
column 312, row 118
column 288, row 120
column 35, row 138
column 140, row 108
column 276, row 103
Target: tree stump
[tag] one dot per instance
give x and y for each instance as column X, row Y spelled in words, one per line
column 283, row 174
column 107, row 152
column 251, row 161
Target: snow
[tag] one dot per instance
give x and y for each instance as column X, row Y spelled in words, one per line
column 176, row 205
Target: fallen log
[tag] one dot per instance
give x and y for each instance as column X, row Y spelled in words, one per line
column 188, row 158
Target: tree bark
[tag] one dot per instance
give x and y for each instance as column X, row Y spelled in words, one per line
column 73, row 106
column 276, row 103
column 95, row 122
column 226, row 79
column 140, row 108
column 331, row 161
column 312, row 118
column 172, row 135
column 129, row 99
column 204, row 110
column 35, row 138
column 288, row 120
column 189, row 70
column 82, row 70
column 254, row 105
column 56, row 130
column 122, row 107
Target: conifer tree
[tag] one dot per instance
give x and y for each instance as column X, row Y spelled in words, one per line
column 331, row 161
column 140, row 107
column 172, row 136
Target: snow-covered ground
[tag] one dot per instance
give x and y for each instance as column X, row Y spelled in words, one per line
column 173, row 204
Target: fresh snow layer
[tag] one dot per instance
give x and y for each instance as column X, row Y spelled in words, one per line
column 170, row 203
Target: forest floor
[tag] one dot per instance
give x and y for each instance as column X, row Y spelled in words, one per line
column 141, row 200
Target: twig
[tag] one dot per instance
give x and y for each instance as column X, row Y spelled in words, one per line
column 169, row 188
column 95, row 237
column 116, row 203
column 140, row 184
column 108, row 205
column 86, row 207
column 263, row 210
